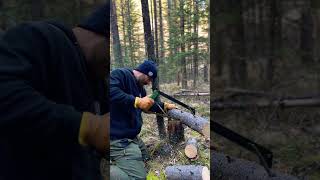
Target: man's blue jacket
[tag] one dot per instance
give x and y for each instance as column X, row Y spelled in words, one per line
column 125, row 119
column 44, row 87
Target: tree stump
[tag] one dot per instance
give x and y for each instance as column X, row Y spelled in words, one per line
column 187, row 172
column 175, row 131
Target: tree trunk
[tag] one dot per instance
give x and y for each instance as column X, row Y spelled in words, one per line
column 197, row 123
column 191, row 149
column 195, row 40
column 161, row 37
column 149, row 42
column 129, row 33
column 275, row 36
column 306, row 36
column 170, row 24
column 224, row 167
column 115, row 36
column 124, row 30
column 151, row 15
column 179, row 172
column 148, row 38
column 189, row 41
column 237, row 63
column 183, row 49
column 156, row 29
column 37, row 9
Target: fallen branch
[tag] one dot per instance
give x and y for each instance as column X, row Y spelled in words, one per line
column 196, row 123
column 224, row 167
column 285, row 103
column 179, row 172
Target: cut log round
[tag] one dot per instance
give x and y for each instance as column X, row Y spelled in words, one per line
column 196, row 123
column 224, row 167
column 187, row 172
column 191, row 149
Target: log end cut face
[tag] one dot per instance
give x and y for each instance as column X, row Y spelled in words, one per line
column 205, row 173
column 206, row 130
column 191, row 151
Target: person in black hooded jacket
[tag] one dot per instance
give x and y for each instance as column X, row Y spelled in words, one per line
column 54, row 109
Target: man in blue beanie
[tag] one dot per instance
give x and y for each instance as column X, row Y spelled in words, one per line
column 128, row 99
column 54, row 109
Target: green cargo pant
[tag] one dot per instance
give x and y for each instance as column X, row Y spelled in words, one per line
column 127, row 158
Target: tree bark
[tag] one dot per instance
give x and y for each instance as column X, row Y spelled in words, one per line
column 184, row 79
column 175, row 131
column 217, row 50
column 170, row 24
column 156, row 29
column 161, row 37
column 148, row 38
column 224, row 167
column 195, row 42
column 197, row 123
column 115, row 36
column 124, row 30
column 129, row 32
column 179, row 172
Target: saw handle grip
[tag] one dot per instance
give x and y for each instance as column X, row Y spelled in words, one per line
column 154, row 94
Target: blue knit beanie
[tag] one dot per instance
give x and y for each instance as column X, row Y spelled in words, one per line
column 148, row 68
column 98, row 21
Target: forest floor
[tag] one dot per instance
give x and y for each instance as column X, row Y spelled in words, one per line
column 293, row 135
column 162, row 153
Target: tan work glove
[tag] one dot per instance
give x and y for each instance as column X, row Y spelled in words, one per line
column 168, row 106
column 94, row 131
column 144, row 103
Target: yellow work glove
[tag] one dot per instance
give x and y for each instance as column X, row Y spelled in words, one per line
column 168, row 106
column 94, row 131
column 144, row 103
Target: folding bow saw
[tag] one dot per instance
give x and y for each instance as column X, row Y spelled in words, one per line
column 265, row 155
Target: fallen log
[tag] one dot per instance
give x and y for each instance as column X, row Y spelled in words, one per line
column 241, row 92
column 235, row 92
column 191, row 94
column 187, row 172
column 196, row 123
column 224, row 167
column 191, row 149
column 285, row 103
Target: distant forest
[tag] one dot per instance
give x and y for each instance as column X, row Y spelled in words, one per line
column 13, row 12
